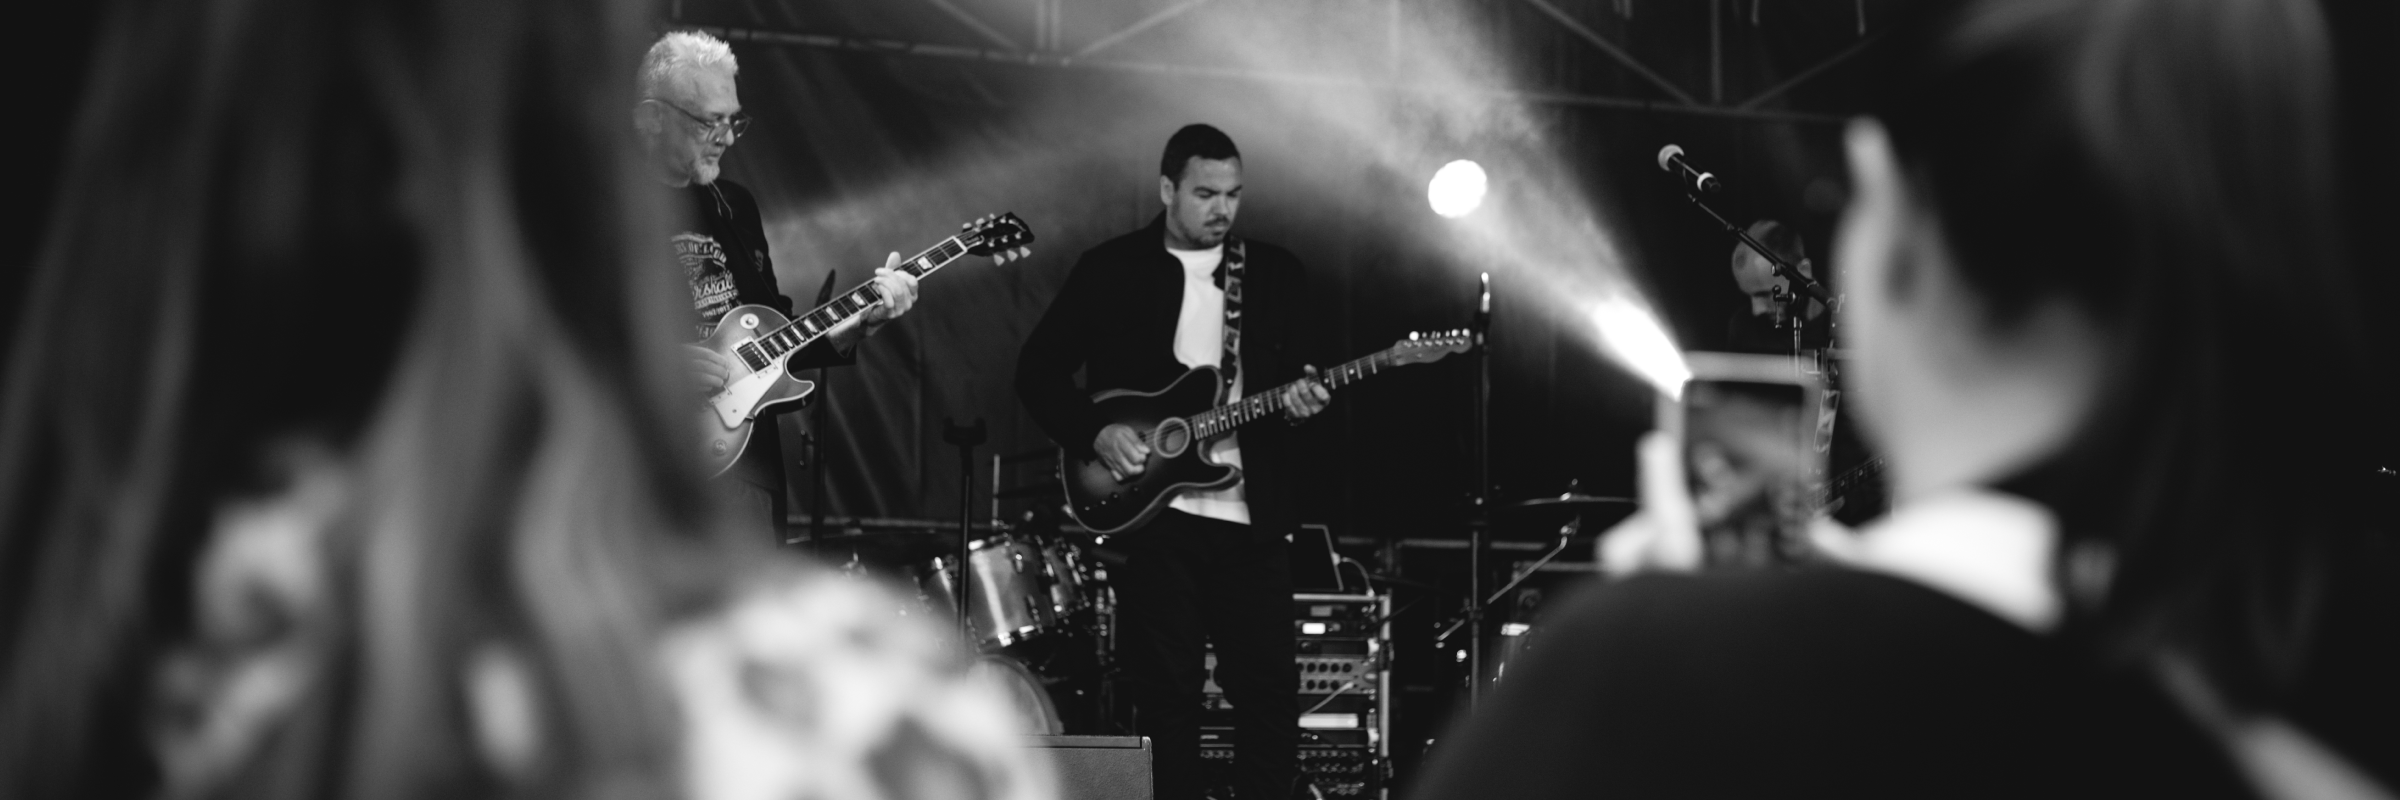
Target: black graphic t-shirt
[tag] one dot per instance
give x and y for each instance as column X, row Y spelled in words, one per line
column 722, row 250
column 713, row 292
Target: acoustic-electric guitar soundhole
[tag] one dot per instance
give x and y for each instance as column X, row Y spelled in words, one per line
column 1171, row 438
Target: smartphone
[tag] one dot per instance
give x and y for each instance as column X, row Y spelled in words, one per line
column 1748, row 428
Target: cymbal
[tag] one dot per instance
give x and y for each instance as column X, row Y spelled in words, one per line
column 1571, row 502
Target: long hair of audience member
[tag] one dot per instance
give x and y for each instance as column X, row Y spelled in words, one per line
column 403, row 234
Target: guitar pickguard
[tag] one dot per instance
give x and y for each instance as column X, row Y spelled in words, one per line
column 739, row 400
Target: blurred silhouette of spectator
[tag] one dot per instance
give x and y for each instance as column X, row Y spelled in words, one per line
column 336, row 455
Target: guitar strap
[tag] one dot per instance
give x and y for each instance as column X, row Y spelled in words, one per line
column 1229, row 278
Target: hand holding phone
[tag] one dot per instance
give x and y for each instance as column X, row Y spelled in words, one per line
column 1663, row 536
column 1730, row 477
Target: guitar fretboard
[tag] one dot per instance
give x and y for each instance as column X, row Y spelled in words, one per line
column 772, row 345
column 1225, row 418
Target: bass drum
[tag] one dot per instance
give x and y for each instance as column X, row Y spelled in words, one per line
column 1025, row 693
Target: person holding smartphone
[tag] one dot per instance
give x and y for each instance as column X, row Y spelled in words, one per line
column 2104, row 338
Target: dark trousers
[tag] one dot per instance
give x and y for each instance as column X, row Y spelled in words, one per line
column 1187, row 577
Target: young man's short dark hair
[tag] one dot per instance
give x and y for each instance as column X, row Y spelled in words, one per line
column 1196, row 140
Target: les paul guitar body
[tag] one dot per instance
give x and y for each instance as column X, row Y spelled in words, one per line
column 726, row 423
column 1176, row 463
column 760, row 342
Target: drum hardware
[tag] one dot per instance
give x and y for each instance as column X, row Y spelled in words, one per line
column 1566, row 535
column 1571, row 502
column 965, row 437
column 1019, row 587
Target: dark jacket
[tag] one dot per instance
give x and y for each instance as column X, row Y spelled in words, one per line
column 729, row 236
column 1115, row 319
column 1810, row 683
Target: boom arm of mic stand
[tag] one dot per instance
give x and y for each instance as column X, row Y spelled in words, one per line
column 1565, row 537
column 1807, row 285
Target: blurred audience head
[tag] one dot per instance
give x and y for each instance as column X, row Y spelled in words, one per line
column 331, row 460
column 689, row 113
column 2090, row 260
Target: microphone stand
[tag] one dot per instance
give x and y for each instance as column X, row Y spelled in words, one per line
column 966, row 437
column 816, row 443
column 1480, row 527
column 1800, row 280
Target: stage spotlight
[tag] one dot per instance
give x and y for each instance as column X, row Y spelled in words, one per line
column 1456, row 188
column 1635, row 339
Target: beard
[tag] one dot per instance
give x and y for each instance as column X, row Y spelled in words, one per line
column 1210, row 233
column 704, row 171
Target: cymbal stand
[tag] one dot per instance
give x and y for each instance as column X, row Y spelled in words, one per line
column 1566, row 536
column 815, row 443
column 966, row 437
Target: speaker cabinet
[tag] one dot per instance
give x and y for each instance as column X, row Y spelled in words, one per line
column 1099, row 767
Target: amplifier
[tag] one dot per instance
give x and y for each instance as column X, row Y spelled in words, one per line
column 1342, row 647
column 1099, row 767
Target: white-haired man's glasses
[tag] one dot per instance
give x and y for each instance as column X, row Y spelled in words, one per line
column 737, row 122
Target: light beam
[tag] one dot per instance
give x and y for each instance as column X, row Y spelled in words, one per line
column 1634, row 338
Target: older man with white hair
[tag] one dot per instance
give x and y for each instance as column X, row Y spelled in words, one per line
column 688, row 116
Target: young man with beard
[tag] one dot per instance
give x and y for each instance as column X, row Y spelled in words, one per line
column 1136, row 313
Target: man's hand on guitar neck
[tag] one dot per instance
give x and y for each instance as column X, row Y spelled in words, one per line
column 1122, row 450
column 1305, row 397
column 899, row 292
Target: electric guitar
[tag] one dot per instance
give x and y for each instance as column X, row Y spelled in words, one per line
column 1179, row 421
column 761, row 340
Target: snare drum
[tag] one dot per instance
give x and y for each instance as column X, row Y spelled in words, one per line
column 1008, row 596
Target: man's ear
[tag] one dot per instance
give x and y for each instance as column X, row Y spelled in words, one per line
column 1882, row 210
column 645, row 119
column 1166, row 190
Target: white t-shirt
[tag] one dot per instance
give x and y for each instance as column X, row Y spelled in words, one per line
column 1200, row 341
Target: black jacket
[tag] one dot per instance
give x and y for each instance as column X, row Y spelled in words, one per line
column 1810, row 683
column 724, row 233
column 1115, row 319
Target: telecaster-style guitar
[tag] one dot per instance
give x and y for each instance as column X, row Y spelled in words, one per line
column 761, row 340
column 1179, row 421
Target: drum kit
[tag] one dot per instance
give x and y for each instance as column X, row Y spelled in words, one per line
column 1039, row 611
column 1038, row 607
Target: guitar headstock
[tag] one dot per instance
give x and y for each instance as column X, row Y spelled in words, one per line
column 1423, row 347
column 1002, row 236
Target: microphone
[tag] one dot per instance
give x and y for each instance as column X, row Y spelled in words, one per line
column 1670, row 159
column 1483, row 307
